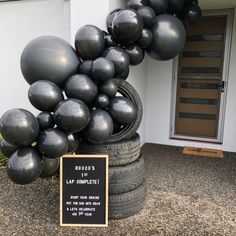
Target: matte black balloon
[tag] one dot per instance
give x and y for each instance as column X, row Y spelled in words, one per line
column 101, row 101
column 109, row 88
column 52, row 143
column 168, row 38
column 136, row 4
column 127, row 26
column 100, row 127
column 110, row 18
column 148, row 15
column 45, row 120
column 120, row 59
column 176, row 5
column 192, row 14
column 44, row 95
column 89, row 42
column 6, row 148
column 86, row 67
column 122, row 110
column 125, row 75
column 73, row 143
column 136, row 54
column 110, row 41
column 159, row 6
column 50, row 167
column 19, row 127
column 81, row 87
column 49, row 58
column 145, row 39
column 24, row 166
column 102, row 69
column 72, row 115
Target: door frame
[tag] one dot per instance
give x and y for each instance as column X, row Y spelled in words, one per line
column 227, row 52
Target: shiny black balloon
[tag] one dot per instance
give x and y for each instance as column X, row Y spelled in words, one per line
column 100, row 127
column 148, row 15
column 48, row 58
column 81, row 87
column 127, row 26
column 101, row 101
column 7, row 149
column 120, row 59
column 176, row 5
column 159, row 6
column 72, row 115
column 109, row 88
column 102, row 69
column 50, row 167
column 24, row 166
column 136, row 54
column 122, row 110
column 192, row 14
column 145, row 39
column 73, row 143
column 86, row 67
column 110, row 41
column 168, row 38
column 125, row 75
column 136, row 4
column 19, row 127
column 89, row 42
column 110, row 18
column 44, row 95
column 52, row 143
column 45, row 120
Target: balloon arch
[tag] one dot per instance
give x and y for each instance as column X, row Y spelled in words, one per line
column 75, row 90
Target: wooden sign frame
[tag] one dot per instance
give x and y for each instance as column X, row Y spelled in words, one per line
column 106, row 190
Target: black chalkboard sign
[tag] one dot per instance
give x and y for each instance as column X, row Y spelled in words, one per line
column 84, row 190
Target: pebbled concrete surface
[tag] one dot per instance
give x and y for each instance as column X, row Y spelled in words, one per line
column 186, row 196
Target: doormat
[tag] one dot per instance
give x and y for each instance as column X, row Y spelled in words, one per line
column 203, row 152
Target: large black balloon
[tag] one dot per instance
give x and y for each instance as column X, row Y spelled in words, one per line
column 100, row 127
column 192, row 14
column 6, row 148
column 148, row 15
column 120, row 59
column 110, row 41
column 89, row 42
column 101, row 101
column 81, row 87
column 73, row 143
column 45, row 120
column 49, row 58
column 50, row 167
column 176, row 5
column 19, row 127
column 136, row 54
column 52, row 143
column 122, row 110
column 168, row 38
column 145, row 39
column 110, row 18
column 86, row 67
column 159, row 6
column 127, row 26
column 136, row 4
column 102, row 69
column 44, row 95
column 109, row 88
column 24, row 166
column 72, row 115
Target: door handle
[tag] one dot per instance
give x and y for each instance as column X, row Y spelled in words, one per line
column 222, row 86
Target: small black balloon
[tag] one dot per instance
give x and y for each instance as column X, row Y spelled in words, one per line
column 110, row 18
column 52, row 143
column 24, row 166
column 148, row 15
column 136, row 4
column 110, row 41
column 176, row 5
column 86, row 67
column 136, row 54
column 81, row 87
column 73, row 143
column 192, row 14
column 101, row 101
column 145, row 39
column 72, row 115
column 45, row 120
column 7, row 149
column 44, row 95
column 89, row 42
column 50, row 167
column 159, row 6
column 125, row 75
column 109, row 88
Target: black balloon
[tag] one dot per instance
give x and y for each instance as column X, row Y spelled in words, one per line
column 101, row 101
column 102, row 69
column 110, row 18
column 89, row 42
column 100, row 127
column 176, row 5
column 120, row 59
column 19, row 127
column 81, row 87
column 110, row 41
column 136, row 54
column 52, row 143
column 72, row 115
column 50, row 167
column 145, row 39
column 159, row 6
column 122, row 110
column 73, row 143
column 45, row 120
column 192, row 14
column 168, row 38
column 125, row 75
column 44, row 95
column 6, row 148
column 24, row 166
column 86, row 67
column 127, row 26
column 148, row 15
column 49, row 58
column 136, row 4
column 109, row 88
